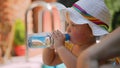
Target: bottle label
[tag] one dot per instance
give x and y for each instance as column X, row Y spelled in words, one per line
column 39, row 40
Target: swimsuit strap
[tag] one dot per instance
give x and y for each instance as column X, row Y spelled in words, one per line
column 68, row 45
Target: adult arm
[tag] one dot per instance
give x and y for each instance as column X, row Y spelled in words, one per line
column 109, row 66
column 109, row 47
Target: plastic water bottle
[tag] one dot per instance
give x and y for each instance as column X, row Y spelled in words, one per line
column 42, row 40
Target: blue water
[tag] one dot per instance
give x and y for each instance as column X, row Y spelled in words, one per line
column 57, row 66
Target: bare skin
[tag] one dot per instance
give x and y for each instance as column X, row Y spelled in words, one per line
column 81, row 37
column 109, row 47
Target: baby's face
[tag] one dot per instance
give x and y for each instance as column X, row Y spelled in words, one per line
column 80, row 34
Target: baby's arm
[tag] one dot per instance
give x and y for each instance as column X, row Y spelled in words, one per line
column 65, row 55
column 50, row 57
column 59, row 53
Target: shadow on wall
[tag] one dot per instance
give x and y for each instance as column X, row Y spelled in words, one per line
column 67, row 3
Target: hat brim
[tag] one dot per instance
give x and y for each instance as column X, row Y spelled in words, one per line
column 77, row 18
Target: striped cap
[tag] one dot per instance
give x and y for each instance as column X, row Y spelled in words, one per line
column 93, row 12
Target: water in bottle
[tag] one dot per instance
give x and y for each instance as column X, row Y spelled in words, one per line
column 42, row 40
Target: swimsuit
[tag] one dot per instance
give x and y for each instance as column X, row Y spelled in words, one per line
column 68, row 45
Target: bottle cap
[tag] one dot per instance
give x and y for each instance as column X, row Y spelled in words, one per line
column 67, row 37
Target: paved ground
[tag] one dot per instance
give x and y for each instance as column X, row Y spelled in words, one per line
column 35, row 60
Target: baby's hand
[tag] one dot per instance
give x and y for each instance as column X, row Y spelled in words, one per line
column 59, row 39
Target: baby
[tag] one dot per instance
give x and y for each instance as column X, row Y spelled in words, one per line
column 86, row 19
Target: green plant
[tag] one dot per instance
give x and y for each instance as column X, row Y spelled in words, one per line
column 19, row 37
column 114, row 8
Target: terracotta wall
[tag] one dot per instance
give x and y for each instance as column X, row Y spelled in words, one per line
column 10, row 10
column 35, row 14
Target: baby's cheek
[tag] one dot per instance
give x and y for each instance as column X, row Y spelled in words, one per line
column 82, row 38
column 75, row 39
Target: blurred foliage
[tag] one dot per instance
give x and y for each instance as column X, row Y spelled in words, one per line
column 19, row 37
column 114, row 8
